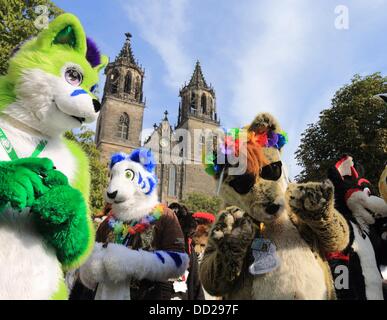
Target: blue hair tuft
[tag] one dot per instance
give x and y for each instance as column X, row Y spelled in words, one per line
column 145, row 157
column 117, row 157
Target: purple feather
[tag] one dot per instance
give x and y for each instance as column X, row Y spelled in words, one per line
column 93, row 55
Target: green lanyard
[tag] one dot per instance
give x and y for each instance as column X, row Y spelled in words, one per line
column 7, row 145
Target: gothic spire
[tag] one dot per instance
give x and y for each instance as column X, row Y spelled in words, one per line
column 126, row 53
column 197, row 78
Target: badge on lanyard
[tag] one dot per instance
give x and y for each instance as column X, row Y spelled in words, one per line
column 265, row 256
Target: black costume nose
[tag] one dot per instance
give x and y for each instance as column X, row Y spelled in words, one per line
column 272, row 208
column 111, row 195
column 97, row 105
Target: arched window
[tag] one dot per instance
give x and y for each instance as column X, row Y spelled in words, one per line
column 137, row 88
column 114, row 80
column 204, row 103
column 128, row 83
column 172, row 181
column 193, row 102
column 123, row 126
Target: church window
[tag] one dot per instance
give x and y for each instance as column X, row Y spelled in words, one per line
column 193, row 102
column 123, row 126
column 128, row 82
column 114, row 80
column 204, row 103
column 172, row 181
column 137, row 88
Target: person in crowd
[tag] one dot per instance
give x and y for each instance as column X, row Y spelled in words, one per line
column 188, row 286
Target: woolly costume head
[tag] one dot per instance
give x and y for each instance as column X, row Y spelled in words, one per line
column 260, row 190
column 132, row 186
column 52, row 78
column 353, row 193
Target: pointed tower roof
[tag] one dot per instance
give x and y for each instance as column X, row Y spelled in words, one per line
column 126, row 53
column 197, row 78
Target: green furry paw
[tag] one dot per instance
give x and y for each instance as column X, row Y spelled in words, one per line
column 21, row 181
column 61, row 217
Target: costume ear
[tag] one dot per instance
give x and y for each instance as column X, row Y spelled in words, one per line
column 65, row 30
column 264, row 122
column 103, row 64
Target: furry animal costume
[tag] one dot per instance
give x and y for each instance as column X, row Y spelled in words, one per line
column 187, row 287
column 140, row 246
column 44, row 189
column 299, row 220
column 364, row 254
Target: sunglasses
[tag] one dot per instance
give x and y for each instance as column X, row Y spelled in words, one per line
column 272, row 171
column 244, row 183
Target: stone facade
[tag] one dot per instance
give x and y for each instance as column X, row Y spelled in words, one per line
column 120, row 125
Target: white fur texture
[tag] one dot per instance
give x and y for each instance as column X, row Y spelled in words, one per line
column 287, row 282
column 372, row 278
column 45, row 103
column 29, row 270
column 360, row 202
column 118, row 263
column 130, row 202
column 93, row 271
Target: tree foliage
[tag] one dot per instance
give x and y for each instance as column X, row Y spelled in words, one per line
column 98, row 170
column 196, row 201
column 355, row 124
column 17, row 19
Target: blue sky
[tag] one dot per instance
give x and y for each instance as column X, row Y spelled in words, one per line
column 280, row 56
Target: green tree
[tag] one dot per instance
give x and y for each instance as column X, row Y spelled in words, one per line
column 17, row 19
column 355, row 124
column 98, row 170
column 196, row 201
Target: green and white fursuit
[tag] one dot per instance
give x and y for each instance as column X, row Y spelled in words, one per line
column 45, row 227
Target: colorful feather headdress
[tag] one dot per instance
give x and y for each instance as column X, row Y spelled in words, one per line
column 233, row 142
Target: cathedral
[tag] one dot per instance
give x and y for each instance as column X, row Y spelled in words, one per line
column 120, row 124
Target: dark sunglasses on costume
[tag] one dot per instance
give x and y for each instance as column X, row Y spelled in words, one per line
column 244, row 183
column 272, row 171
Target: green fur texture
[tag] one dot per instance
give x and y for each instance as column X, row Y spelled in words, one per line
column 44, row 53
column 21, row 183
column 58, row 210
column 62, row 292
column 83, row 185
column 61, row 217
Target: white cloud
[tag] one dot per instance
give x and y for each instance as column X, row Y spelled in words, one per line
column 163, row 25
column 274, row 41
column 273, row 50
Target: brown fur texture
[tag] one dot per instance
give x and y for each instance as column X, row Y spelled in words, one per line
column 305, row 226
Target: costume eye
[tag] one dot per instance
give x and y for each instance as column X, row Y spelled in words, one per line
column 272, row 171
column 73, row 76
column 129, row 173
column 242, row 184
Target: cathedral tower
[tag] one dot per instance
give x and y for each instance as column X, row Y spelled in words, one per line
column 198, row 114
column 120, row 121
column 197, row 101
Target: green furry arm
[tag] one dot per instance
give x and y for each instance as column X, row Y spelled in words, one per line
column 82, row 183
column 60, row 215
column 21, row 183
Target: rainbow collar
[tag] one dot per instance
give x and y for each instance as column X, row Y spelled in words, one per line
column 122, row 230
